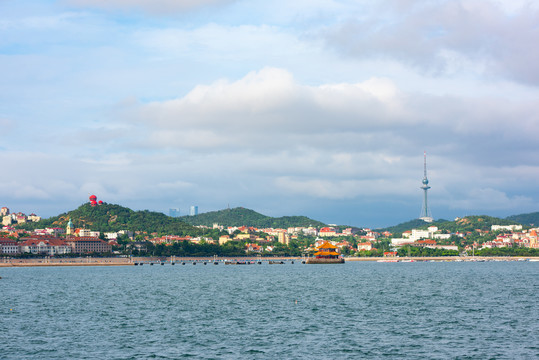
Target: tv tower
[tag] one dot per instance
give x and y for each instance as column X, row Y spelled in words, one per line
column 425, row 211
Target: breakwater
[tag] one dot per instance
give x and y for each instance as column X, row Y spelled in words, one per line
column 126, row 261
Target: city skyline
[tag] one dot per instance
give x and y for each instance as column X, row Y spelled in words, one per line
column 320, row 109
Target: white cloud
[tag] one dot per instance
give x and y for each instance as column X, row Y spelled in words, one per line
column 269, row 107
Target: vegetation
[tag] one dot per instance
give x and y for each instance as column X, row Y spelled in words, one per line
column 531, row 219
column 471, row 223
column 109, row 217
column 465, row 224
column 408, row 225
column 241, row 216
column 425, row 251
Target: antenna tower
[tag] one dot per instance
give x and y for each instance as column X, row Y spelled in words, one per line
column 425, row 211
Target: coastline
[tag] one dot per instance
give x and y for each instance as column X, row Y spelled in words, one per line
column 131, row 261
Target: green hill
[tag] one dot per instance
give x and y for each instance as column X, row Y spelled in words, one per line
column 240, row 216
column 408, row 225
column 468, row 223
column 531, row 219
column 109, row 217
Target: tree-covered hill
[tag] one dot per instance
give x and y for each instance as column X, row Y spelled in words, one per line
column 109, row 217
column 405, row 226
column 531, row 219
column 241, row 216
column 468, row 223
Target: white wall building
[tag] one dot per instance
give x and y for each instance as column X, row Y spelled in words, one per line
column 506, row 227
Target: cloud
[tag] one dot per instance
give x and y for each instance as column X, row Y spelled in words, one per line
column 161, row 7
column 269, row 110
column 270, row 102
column 273, row 136
column 444, row 37
column 492, row 199
column 339, row 189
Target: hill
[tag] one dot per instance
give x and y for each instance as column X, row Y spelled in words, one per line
column 241, row 216
column 531, row 219
column 468, row 223
column 408, row 225
column 109, row 217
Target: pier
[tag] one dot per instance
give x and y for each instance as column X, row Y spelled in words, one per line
column 212, row 261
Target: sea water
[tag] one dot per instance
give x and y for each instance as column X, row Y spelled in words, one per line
column 431, row 310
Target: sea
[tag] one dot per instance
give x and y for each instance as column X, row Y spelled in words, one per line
column 356, row 310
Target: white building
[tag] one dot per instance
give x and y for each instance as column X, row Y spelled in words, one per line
column 49, row 246
column 506, row 227
column 9, row 246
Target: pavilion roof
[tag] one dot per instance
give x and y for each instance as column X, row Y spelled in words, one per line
column 327, row 245
column 319, row 253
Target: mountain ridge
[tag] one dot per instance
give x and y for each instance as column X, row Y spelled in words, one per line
column 241, row 216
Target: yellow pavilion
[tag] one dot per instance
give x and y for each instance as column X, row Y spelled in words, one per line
column 326, row 254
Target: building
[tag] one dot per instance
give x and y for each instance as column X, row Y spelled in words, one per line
column 34, row 218
column 506, row 227
column 326, row 253
column 7, row 220
column 47, row 245
column 365, row 246
column 283, row 238
column 69, row 227
column 327, row 231
column 88, row 244
column 253, row 248
column 224, row 239
column 9, row 246
column 4, row 211
column 174, row 212
column 88, row 233
column 193, row 211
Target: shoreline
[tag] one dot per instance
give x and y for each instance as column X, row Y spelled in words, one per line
column 4, row 263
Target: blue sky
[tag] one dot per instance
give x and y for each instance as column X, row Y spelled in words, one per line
column 317, row 108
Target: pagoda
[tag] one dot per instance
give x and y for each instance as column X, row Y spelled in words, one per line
column 326, row 254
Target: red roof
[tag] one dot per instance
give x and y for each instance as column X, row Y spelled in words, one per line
column 427, row 241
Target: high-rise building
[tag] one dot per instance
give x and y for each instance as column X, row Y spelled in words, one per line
column 425, row 211
column 174, row 212
column 283, row 238
column 193, row 211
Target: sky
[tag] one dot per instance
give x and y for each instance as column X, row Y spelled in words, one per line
column 320, row 108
